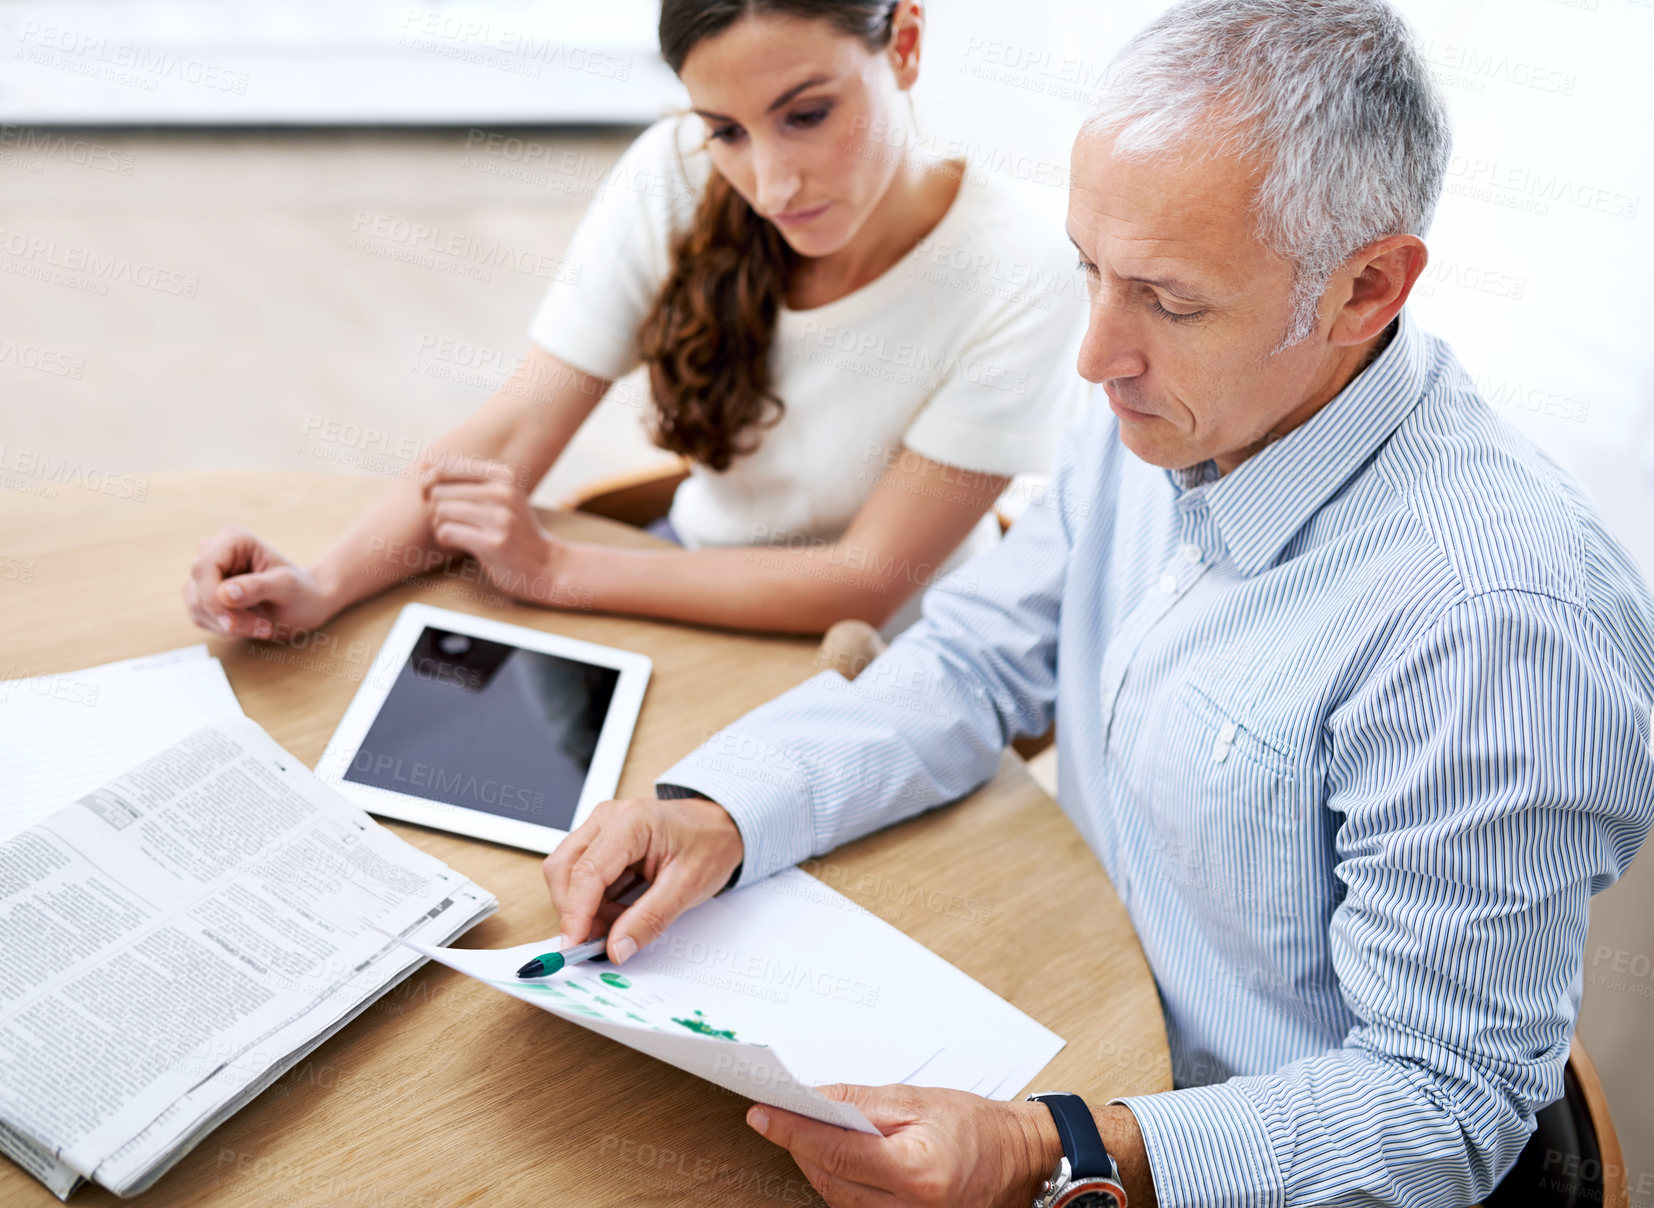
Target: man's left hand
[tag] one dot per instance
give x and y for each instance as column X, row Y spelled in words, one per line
column 939, row 1147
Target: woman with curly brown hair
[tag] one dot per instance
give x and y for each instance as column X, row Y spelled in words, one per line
column 855, row 345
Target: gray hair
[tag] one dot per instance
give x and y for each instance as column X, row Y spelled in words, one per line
column 1332, row 94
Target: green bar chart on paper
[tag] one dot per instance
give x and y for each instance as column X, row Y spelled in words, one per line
column 782, row 986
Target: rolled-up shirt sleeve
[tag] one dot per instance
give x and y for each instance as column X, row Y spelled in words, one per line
column 1489, row 781
column 923, row 724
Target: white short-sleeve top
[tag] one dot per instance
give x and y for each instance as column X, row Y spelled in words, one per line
column 963, row 351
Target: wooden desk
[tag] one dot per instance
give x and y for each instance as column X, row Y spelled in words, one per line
column 448, row 1093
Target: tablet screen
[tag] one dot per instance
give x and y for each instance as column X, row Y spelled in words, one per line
column 487, row 726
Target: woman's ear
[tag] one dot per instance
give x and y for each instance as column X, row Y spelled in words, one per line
column 907, row 28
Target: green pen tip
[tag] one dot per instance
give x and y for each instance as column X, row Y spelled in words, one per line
column 542, row 966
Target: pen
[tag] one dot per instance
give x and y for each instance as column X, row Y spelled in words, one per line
column 548, row 963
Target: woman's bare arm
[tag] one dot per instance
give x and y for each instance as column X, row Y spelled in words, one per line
column 916, row 516
column 524, row 426
column 241, row 586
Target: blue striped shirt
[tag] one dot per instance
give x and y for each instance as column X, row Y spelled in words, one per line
column 1356, row 729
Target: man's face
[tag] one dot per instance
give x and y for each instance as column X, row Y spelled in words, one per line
column 1186, row 307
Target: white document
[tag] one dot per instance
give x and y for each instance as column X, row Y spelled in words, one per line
column 178, row 937
column 63, row 735
column 775, row 989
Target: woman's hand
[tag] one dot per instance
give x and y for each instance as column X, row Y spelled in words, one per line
column 686, row 849
column 476, row 507
column 240, row 586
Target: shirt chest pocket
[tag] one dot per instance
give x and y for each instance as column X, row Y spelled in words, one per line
column 1230, row 810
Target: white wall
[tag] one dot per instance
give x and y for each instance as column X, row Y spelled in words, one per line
column 323, row 62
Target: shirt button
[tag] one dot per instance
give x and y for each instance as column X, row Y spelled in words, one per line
column 1220, row 751
column 1193, row 553
column 1227, row 732
column 1168, row 583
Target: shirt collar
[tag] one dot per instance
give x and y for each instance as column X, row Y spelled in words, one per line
column 1262, row 502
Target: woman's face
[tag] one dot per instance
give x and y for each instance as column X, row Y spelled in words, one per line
column 801, row 120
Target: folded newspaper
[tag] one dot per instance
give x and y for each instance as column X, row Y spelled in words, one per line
column 174, row 941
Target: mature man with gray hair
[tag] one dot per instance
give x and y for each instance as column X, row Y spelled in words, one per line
column 1354, row 688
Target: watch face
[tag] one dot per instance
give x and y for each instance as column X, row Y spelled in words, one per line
column 1091, row 1195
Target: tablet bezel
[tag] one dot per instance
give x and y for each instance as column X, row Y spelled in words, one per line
column 602, row 778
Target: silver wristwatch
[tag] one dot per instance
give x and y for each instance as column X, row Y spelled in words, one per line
column 1086, row 1175
column 1063, row 1190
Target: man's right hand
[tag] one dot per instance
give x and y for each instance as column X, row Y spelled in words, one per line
column 240, row 586
column 686, row 849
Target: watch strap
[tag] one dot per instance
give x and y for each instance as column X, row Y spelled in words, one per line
column 1082, row 1144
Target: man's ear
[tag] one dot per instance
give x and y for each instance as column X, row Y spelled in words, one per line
column 1380, row 278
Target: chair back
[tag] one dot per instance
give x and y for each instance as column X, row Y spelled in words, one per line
column 1573, row 1158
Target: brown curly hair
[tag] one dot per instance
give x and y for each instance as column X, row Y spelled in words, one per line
column 707, row 339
